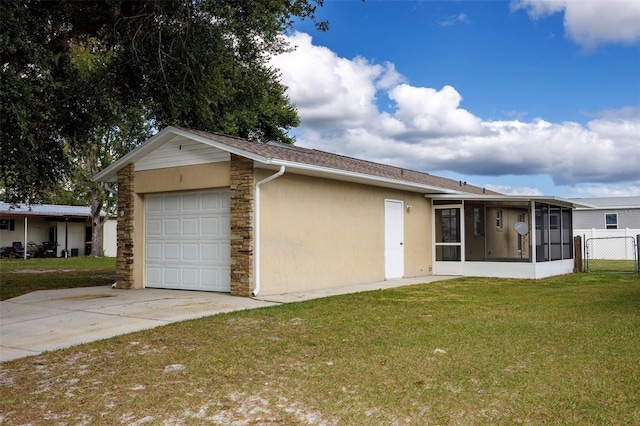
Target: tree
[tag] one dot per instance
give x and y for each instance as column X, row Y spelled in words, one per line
column 76, row 74
column 193, row 63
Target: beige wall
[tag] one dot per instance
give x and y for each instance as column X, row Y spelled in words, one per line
column 503, row 243
column 185, row 178
column 319, row 233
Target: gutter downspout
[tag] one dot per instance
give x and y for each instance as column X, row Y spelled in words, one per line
column 256, row 249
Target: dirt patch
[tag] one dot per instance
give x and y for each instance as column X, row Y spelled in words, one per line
column 87, row 296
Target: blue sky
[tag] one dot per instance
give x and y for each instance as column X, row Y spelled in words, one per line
column 526, row 97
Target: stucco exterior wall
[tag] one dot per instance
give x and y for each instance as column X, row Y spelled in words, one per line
column 184, row 178
column 319, row 233
column 503, row 242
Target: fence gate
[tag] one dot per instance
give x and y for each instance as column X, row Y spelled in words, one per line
column 611, row 254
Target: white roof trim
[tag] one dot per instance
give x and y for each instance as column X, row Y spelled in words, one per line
column 46, row 210
column 611, row 208
column 358, row 177
column 528, row 198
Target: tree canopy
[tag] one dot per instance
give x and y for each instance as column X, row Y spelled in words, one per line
column 75, row 71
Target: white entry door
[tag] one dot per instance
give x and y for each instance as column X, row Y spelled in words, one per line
column 393, row 239
column 188, row 241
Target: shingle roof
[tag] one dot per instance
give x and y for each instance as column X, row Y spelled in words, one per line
column 296, row 154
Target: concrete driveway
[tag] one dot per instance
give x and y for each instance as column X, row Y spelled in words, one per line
column 53, row 319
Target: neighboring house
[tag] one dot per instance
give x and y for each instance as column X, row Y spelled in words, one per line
column 609, row 217
column 67, row 228
column 204, row 211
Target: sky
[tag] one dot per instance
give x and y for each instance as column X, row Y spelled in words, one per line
column 528, row 97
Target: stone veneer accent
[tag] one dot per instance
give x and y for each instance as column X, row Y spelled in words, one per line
column 125, row 233
column 242, row 205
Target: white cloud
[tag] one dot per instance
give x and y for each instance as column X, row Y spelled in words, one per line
column 590, row 23
column 460, row 18
column 426, row 129
column 605, row 191
column 425, row 111
column 514, row 190
column 329, row 90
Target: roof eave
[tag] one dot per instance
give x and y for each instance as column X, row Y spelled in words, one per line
column 538, row 198
column 359, row 177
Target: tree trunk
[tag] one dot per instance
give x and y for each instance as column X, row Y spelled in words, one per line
column 97, row 222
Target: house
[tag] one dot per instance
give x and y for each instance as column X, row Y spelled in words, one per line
column 609, row 216
column 66, row 228
column 610, row 228
column 205, row 211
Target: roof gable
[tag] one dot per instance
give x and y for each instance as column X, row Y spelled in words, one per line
column 181, row 151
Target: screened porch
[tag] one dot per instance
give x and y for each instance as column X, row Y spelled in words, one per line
column 513, row 237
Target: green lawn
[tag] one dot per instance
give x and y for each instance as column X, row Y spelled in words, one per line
column 19, row 276
column 467, row 351
column 609, row 265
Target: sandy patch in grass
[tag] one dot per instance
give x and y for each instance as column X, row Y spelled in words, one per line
column 244, row 409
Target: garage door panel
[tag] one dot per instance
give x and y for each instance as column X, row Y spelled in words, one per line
column 154, row 251
column 154, row 276
column 171, row 276
column 210, row 252
column 154, row 227
column 225, row 232
column 171, row 227
column 211, row 226
column 171, row 251
column 188, row 241
column 172, row 203
column 190, row 202
column 190, row 277
column 155, row 204
column 190, row 226
column 226, row 255
column 218, row 277
column 212, row 201
column 190, row 252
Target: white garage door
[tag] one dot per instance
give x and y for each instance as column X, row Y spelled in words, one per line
column 188, row 241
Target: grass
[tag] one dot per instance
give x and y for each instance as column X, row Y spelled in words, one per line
column 21, row 276
column 612, row 265
column 467, row 351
